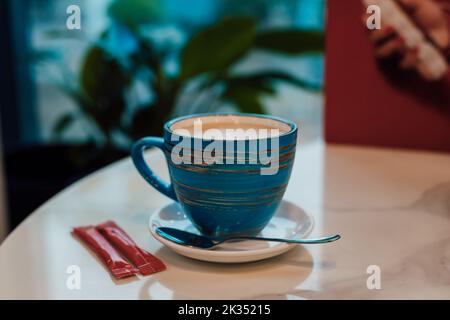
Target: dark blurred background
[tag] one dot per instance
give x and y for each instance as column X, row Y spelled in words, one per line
column 73, row 101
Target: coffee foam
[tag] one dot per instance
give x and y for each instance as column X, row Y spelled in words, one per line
column 230, row 127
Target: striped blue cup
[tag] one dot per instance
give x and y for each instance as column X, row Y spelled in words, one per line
column 228, row 180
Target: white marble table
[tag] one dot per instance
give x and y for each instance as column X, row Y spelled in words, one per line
column 391, row 207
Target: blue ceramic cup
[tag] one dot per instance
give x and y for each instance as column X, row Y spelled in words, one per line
column 227, row 180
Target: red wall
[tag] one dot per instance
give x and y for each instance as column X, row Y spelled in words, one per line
column 363, row 106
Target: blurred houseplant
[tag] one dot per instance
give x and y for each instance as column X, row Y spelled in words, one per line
column 133, row 57
column 127, row 54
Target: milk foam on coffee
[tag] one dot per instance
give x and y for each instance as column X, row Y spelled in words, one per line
column 230, row 127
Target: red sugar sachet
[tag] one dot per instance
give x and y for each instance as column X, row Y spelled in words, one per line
column 145, row 261
column 117, row 265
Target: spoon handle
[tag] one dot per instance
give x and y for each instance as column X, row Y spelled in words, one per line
column 299, row 241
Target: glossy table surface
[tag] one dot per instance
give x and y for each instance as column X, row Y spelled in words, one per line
column 391, row 207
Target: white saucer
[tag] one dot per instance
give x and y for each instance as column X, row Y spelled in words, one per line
column 289, row 221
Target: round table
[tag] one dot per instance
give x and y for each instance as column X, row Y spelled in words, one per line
column 391, row 207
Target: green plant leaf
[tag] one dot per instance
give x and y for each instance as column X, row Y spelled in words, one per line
column 261, row 84
column 103, row 84
column 291, row 41
column 101, row 75
column 246, row 91
column 246, row 99
column 216, row 48
column 134, row 13
column 63, row 123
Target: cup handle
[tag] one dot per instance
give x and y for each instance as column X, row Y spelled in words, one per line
column 137, row 154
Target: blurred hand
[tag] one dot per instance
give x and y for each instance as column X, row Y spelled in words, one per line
column 429, row 15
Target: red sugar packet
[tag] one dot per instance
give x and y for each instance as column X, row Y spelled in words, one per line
column 145, row 261
column 117, row 265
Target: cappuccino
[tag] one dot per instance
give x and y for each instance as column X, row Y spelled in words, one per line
column 230, row 127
